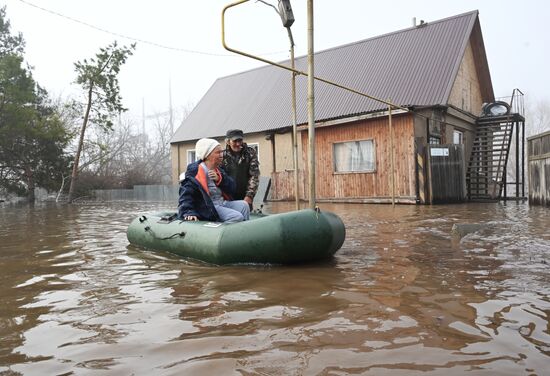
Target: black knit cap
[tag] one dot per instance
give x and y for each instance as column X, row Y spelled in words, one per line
column 234, row 134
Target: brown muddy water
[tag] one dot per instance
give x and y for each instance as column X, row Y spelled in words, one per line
column 403, row 296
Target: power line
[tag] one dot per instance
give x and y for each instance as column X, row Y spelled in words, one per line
column 132, row 38
column 414, row 112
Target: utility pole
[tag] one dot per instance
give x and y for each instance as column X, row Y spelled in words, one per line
column 310, row 105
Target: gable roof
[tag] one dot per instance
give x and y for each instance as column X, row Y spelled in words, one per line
column 416, row 66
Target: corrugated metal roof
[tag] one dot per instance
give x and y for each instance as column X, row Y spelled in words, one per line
column 415, row 66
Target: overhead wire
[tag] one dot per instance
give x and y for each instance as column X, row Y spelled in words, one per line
column 154, row 44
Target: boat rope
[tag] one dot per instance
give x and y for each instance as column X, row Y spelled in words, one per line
column 150, row 230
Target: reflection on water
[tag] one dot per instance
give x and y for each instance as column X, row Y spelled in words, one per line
column 401, row 297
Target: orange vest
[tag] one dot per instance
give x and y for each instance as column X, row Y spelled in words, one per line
column 203, row 180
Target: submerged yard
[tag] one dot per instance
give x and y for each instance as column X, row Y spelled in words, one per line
column 402, row 296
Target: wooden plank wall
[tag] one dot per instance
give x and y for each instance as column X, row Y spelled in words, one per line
column 282, row 185
column 359, row 185
column 539, row 169
column 447, row 178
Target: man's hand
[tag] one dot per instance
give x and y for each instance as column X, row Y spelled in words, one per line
column 248, row 200
column 190, row 218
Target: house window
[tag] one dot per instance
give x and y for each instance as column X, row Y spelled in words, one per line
column 191, row 156
column 256, row 147
column 458, row 137
column 435, row 140
column 354, row 156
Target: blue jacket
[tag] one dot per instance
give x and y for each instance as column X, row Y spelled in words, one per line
column 194, row 197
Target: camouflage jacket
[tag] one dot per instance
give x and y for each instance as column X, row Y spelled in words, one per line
column 244, row 168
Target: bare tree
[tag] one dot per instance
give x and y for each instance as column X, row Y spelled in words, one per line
column 538, row 117
column 127, row 156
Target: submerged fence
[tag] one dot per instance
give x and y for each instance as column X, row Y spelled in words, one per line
column 539, row 169
column 164, row 192
column 156, row 192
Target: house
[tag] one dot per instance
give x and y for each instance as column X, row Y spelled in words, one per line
column 437, row 70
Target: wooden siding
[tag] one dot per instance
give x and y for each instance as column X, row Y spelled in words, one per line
column 482, row 67
column 282, row 185
column 357, row 186
column 283, row 153
column 466, row 91
column 447, row 179
column 539, row 169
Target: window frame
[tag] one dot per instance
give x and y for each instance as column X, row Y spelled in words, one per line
column 434, row 140
column 256, row 146
column 372, row 140
column 189, row 151
column 461, row 137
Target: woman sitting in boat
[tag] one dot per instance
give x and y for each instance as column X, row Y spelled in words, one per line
column 205, row 193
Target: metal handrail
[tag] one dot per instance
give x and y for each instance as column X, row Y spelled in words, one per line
column 520, row 95
column 296, row 71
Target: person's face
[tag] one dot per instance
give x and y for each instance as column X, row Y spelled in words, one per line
column 216, row 156
column 236, row 145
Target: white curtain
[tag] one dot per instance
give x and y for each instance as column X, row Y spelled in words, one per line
column 354, row 156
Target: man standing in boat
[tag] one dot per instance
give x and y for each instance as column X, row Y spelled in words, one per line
column 206, row 192
column 240, row 161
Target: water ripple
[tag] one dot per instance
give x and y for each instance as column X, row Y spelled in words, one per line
column 401, row 297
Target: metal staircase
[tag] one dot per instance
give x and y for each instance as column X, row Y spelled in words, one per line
column 487, row 175
column 487, row 167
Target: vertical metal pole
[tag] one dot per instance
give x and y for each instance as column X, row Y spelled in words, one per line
column 505, row 185
column 273, row 154
column 517, row 161
column 179, row 163
column 522, row 159
column 392, row 175
column 294, row 124
column 310, row 105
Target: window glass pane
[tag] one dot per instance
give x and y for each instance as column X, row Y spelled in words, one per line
column 354, row 156
column 191, row 156
column 457, row 137
column 255, row 146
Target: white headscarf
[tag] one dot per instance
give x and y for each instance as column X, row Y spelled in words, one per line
column 204, row 147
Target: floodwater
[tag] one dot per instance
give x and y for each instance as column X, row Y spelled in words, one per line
column 403, row 296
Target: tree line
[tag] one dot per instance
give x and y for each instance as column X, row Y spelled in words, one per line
column 72, row 146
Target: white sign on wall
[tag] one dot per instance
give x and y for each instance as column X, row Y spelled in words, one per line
column 439, row 152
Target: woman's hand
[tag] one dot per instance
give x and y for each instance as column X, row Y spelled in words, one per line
column 212, row 174
column 190, row 218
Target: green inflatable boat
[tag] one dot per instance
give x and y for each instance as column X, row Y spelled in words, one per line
column 286, row 238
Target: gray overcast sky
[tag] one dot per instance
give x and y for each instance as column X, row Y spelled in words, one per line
column 516, row 35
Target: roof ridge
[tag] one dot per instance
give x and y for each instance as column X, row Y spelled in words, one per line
column 470, row 13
